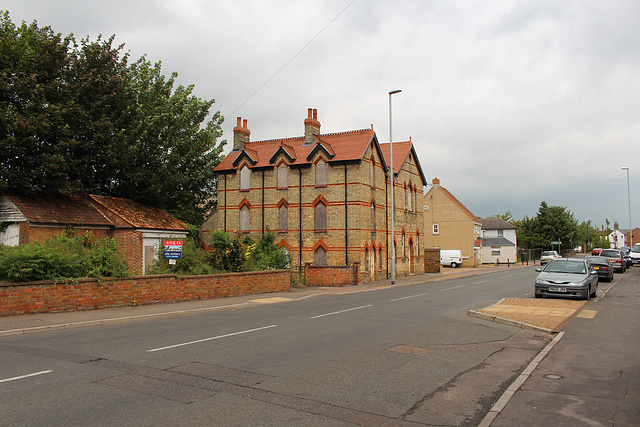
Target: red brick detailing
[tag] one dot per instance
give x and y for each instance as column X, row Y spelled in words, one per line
column 86, row 294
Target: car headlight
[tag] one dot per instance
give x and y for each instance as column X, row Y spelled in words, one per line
column 542, row 282
column 576, row 284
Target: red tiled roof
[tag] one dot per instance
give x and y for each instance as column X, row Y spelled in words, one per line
column 401, row 151
column 78, row 209
column 344, row 146
column 139, row 215
column 58, row 209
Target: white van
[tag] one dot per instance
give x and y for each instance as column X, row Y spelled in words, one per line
column 451, row 257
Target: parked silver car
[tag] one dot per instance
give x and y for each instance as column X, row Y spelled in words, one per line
column 548, row 256
column 616, row 259
column 567, row 277
column 634, row 254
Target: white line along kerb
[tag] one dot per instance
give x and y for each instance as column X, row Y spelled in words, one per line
column 211, row 338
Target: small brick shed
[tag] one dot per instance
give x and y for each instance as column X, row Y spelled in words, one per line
column 138, row 229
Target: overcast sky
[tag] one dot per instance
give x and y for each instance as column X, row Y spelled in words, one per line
column 507, row 102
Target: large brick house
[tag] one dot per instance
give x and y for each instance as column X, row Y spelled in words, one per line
column 326, row 195
column 448, row 224
column 138, row 229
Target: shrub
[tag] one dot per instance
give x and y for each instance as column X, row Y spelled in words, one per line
column 35, row 262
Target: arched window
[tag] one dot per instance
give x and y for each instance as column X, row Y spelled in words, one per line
column 321, row 174
column 372, row 174
column 245, row 178
column 409, row 204
column 373, row 217
column 320, row 256
column 283, row 176
column 283, row 218
column 245, row 223
column 320, row 223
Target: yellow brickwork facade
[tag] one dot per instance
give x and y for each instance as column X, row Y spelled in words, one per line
column 448, row 224
column 326, row 196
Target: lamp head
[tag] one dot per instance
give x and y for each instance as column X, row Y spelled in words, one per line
column 395, row 91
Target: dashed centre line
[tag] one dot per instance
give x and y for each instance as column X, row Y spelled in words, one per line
column 21, row 377
column 210, row 338
column 455, row 287
column 341, row 311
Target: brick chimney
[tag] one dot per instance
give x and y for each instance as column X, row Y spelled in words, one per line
column 615, row 225
column 240, row 135
column 311, row 127
column 435, row 182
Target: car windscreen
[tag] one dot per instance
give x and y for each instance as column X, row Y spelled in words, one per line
column 611, row 253
column 597, row 260
column 565, row 267
column 548, row 253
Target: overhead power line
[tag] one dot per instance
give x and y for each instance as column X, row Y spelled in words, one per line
column 292, row 58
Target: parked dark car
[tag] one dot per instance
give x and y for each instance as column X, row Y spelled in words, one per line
column 602, row 266
column 625, row 254
column 567, row 277
column 616, row 259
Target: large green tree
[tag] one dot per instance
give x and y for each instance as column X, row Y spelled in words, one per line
column 552, row 223
column 80, row 118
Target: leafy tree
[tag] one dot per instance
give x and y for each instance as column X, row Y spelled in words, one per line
column 79, row 118
column 552, row 223
column 505, row 216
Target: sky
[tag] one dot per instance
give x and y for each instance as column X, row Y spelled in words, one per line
column 508, row 102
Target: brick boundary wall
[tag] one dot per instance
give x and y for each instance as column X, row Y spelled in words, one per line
column 432, row 261
column 87, row 294
column 342, row 275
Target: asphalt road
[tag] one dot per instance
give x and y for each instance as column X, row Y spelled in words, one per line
column 404, row 355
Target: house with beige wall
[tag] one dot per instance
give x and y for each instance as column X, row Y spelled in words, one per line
column 499, row 241
column 448, row 224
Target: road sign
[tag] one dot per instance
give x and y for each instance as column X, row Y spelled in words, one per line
column 173, row 249
column 556, row 243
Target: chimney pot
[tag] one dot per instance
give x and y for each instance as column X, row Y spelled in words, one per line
column 315, row 114
column 239, row 120
column 244, row 123
column 310, row 113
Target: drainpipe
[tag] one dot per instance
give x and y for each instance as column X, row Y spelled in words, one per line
column 262, row 231
column 386, row 219
column 300, row 219
column 225, row 202
column 346, row 225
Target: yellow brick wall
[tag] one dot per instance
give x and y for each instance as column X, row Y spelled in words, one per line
column 457, row 230
column 365, row 245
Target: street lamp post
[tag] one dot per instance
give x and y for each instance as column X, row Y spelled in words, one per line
column 393, row 246
column 629, row 199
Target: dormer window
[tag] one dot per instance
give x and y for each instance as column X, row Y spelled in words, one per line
column 283, row 176
column 245, row 178
column 321, row 173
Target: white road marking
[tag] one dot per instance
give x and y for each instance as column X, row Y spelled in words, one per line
column 455, row 287
column 211, row 338
column 21, row 377
column 410, row 296
column 341, row 311
column 482, row 281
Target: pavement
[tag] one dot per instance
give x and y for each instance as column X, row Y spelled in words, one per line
column 589, row 374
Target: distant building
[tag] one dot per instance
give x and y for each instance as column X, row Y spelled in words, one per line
column 448, row 224
column 499, row 241
column 327, row 196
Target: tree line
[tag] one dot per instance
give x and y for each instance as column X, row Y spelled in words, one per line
column 79, row 117
column 555, row 224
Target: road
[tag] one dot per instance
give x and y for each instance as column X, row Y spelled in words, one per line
column 403, row 355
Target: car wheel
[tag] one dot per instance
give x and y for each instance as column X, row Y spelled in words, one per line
column 595, row 292
column 454, row 265
column 588, row 295
column 538, row 295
